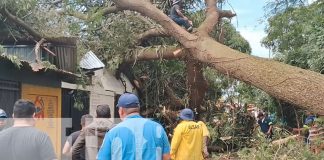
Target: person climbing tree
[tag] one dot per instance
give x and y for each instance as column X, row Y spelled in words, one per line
column 177, row 16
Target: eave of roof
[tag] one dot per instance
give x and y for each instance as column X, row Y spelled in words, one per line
column 39, row 68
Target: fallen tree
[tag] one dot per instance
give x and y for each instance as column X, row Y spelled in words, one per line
column 295, row 85
column 291, row 84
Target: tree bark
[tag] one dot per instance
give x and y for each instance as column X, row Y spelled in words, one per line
column 155, row 32
column 297, row 86
column 196, row 83
column 156, row 53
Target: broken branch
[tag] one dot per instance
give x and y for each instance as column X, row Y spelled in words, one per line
column 155, row 32
column 37, row 49
column 21, row 23
column 226, row 14
column 156, row 54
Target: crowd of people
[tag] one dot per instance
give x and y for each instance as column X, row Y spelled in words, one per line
column 99, row 138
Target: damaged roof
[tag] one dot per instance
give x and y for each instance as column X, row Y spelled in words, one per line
column 91, row 62
column 40, row 68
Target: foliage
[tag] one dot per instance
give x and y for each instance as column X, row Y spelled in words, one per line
column 157, row 75
column 232, row 38
column 279, row 6
column 296, row 36
column 231, row 129
column 292, row 150
column 14, row 59
column 48, row 65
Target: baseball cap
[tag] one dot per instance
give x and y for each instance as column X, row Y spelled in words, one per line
column 128, row 100
column 3, row 114
column 186, row 114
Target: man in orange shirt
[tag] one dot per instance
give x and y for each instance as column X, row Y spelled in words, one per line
column 187, row 140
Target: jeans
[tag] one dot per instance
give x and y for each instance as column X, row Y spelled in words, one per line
column 181, row 22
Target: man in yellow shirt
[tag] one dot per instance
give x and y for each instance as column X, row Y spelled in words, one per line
column 206, row 136
column 187, row 140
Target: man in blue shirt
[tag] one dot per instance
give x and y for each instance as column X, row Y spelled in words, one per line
column 265, row 125
column 135, row 137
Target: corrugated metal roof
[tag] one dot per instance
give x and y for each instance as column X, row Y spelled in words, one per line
column 91, row 61
column 39, row 68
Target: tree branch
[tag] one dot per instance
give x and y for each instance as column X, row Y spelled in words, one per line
column 104, row 12
column 37, row 50
column 226, row 14
column 155, row 32
column 21, row 23
column 212, row 17
column 156, row 54
column 174, row 100
column 147, row 9
column 87, row 17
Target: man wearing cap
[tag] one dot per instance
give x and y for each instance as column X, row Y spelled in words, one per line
column 3, row 117
column 177, row 16
column 187, row 140
column 135, row 137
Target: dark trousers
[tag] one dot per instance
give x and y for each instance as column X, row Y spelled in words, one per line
column 181, row 22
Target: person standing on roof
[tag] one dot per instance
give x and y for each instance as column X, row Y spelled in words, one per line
column 187, row 140
column 177, row 16
column 3, row 118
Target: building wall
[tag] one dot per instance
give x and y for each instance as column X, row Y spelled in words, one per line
column 99, row 99
column 9, row 93
column 48, row 103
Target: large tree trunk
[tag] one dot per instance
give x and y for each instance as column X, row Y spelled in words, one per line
column 297, row 86
column 196, row 83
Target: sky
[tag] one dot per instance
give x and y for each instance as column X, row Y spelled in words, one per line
column 250, row 22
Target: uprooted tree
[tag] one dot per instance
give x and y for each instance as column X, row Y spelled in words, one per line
column 294, row 85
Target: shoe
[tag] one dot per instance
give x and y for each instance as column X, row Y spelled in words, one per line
column 190, row 29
